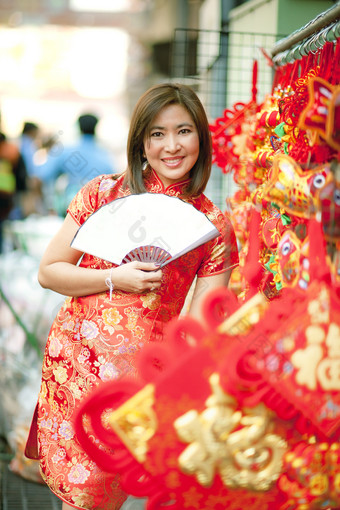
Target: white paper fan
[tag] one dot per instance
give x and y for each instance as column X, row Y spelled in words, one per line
column 150, row 227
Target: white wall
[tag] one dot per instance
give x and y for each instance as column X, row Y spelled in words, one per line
column 210, row 15
column 254, row 16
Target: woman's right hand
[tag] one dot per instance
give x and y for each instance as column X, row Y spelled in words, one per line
column 137, row 277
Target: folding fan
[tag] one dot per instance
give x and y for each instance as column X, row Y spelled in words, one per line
column 148, row 227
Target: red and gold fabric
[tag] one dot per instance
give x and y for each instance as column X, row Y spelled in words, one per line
column 94, row 339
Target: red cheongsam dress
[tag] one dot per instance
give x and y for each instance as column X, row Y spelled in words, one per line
column 95, row 339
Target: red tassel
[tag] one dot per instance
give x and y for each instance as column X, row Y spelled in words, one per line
column 334, row 78
column 303, row 65
column 253, row 270
column 327, row 61
column 254, row 81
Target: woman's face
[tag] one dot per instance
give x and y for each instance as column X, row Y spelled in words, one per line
column 172, row 148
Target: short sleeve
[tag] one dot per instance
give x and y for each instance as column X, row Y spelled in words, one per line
column 86, row 201
column 221, row 252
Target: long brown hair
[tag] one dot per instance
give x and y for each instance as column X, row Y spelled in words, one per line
column 147, row 107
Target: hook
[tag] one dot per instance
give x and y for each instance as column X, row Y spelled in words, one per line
column 304, row 50
column 313, row 48
column 297, row 52
column 310, row 45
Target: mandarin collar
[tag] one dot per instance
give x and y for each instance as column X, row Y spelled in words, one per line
column 155, row 185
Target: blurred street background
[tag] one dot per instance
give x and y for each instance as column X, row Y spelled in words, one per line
column 59, row 60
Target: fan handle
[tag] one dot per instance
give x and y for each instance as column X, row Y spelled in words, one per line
column 148, row 253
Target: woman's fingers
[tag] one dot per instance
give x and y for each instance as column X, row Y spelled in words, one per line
column 154, row 285
column 153, row 276
column 146, row 266
column 137, row 277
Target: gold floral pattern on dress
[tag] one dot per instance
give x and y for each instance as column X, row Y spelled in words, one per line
column 89, row 330
column 151, row 300
column 133, row 316
column 60, row 374
column 83, row 499
column 78, row 474
column 76, row 391
column 107, row 371
column 138, row 332
column 111, row 319
column 54, row 347
column 43, row 391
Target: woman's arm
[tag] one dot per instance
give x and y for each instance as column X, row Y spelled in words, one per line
column 58, row 269
column 203, row 287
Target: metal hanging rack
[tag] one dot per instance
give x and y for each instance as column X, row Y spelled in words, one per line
column 308, row 39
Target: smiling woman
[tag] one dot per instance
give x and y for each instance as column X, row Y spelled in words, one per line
column 115, row 309
column 172, row 147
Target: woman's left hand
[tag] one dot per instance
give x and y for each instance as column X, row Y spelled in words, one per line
column 137, row 277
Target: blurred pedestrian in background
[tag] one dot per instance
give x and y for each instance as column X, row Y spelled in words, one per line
column 28, row 146
column 76, row 164
column 13, row 181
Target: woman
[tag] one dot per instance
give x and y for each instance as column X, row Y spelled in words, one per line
column 114, row 310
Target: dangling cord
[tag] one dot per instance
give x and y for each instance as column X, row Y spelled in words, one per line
column 109, row 283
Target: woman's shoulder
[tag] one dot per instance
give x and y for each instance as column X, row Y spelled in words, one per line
column 207, row 206
column 109, row 181
column 220, row 219
column 104, row 187
column 96, row 192
column 104, row 181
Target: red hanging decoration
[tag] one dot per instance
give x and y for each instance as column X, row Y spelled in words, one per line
column 230, row 127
